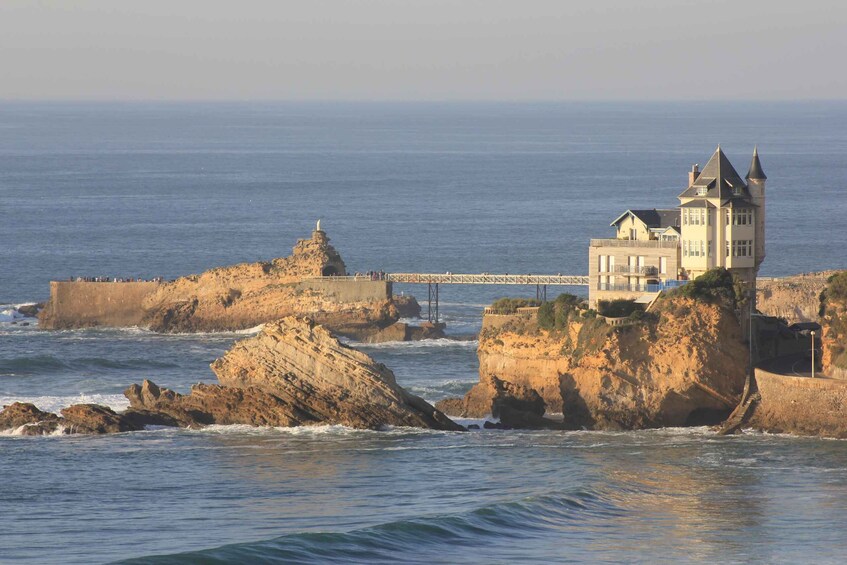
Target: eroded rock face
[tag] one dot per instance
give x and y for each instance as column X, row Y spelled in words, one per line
column 302, row 364
column 686, row 366
column 516, row 406
column 834, row 323
column 212, row 404
column 795, row 298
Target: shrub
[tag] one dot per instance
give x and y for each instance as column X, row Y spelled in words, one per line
column 717, row 283
column 511, row 305
column 557, row 314
column 619, row 308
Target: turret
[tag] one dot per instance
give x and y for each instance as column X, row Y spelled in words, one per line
column 756, row 185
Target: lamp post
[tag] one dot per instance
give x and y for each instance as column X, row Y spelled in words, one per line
column 813, row 353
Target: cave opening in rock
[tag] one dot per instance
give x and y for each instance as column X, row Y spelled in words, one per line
column 706, row 417
column 329, row 271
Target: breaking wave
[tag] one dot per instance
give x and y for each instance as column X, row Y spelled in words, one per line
column 116, row 402
column 490, row 533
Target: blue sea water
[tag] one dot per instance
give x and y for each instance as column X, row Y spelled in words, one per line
column 172, row 189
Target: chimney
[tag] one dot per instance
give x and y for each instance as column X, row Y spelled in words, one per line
column 695, row 172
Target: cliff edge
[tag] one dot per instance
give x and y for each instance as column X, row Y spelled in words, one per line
column 682, row 363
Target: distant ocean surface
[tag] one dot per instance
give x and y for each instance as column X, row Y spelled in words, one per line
column 144, row 190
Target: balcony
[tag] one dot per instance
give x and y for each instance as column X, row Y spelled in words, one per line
column 641, row 287
column 641, row 243
column 637, row 270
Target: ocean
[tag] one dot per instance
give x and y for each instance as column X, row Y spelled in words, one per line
column 144, row 190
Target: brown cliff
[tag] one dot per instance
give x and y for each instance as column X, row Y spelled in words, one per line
column 834, row 325
column 682, row 364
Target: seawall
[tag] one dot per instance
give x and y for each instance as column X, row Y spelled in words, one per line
column 797, row 405
column 88, row 304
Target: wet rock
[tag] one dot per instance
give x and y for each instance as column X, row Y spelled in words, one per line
column 305, row 366
column 95, row 419
column 516, row 406
column 36, row 422
column 30, row 310
column 213, row 404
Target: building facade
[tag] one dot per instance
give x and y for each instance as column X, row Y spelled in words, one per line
column 720, row 222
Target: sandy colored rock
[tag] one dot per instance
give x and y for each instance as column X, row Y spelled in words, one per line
column 685, row 364
column 303, row 364
column 795, row 298
column 834, row 327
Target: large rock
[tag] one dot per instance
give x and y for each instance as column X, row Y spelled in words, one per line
column 76, row 419
column 683, row 364
column 516, row 406
column 302, row 364
column 834, row 322
column 212, row 404
column 30, row 419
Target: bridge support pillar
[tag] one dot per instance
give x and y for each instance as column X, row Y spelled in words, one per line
column 541, row 292
column 432, row 302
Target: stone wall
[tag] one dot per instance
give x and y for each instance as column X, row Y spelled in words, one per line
column 800, row 405
column 343, row 290
column 87, row 304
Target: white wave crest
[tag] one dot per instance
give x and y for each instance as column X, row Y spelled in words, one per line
column 422, row 344
column 116, row 402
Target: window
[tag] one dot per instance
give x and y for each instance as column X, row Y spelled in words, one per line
column 685, row 248
column 663, row 265
column 742, row 248
column 604, row 264
column 742, row 217
column 702, row 190
column 633, row 233
column 709, row 244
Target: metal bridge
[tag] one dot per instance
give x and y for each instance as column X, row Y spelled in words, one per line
column 432, row 280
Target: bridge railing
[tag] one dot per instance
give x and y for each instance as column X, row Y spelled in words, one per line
column 485, row 278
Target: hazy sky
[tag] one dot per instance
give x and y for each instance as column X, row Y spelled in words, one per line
column 423, row 49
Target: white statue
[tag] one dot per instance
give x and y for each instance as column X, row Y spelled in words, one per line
column 319, row 226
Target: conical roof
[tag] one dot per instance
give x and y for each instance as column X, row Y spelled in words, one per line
column 719, row 179
column 756, row 171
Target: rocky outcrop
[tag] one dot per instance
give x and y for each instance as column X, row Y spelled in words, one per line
column 682, row 364
column 247, row 295
column 303, row 364
column 213, row 404
column 834, row 325
column 515, row 405
column 795, row 298
column 26, row 419
column 242, row 296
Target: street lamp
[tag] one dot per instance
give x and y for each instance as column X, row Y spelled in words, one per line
column 813, row 354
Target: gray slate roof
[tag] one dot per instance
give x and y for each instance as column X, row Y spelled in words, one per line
column 719, row 178
column 653, row 218
column 756, row 171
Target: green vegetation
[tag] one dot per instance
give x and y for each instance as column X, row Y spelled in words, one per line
column 511, row 305
column 714, row 284
column 619, row 308
column 555, row 315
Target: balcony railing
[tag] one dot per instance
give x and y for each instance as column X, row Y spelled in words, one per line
column 637, row 270
column 641, row 287
column 645, row 243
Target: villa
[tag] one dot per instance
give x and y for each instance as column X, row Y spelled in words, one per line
column 720, row 222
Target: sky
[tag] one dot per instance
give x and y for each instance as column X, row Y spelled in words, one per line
column 423, row 49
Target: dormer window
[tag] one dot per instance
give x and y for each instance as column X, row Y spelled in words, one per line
column 702, row 190
column 736, row 191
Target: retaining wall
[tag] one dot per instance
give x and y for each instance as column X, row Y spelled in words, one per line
column 87, row 304
column 801, row 405
column 346, row 290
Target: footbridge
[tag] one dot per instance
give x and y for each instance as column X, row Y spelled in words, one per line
column 433, row 280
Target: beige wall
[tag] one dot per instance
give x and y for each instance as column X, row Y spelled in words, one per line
column 346, row 290
column 629, row 223
column 621, row 275
column 88, row 304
